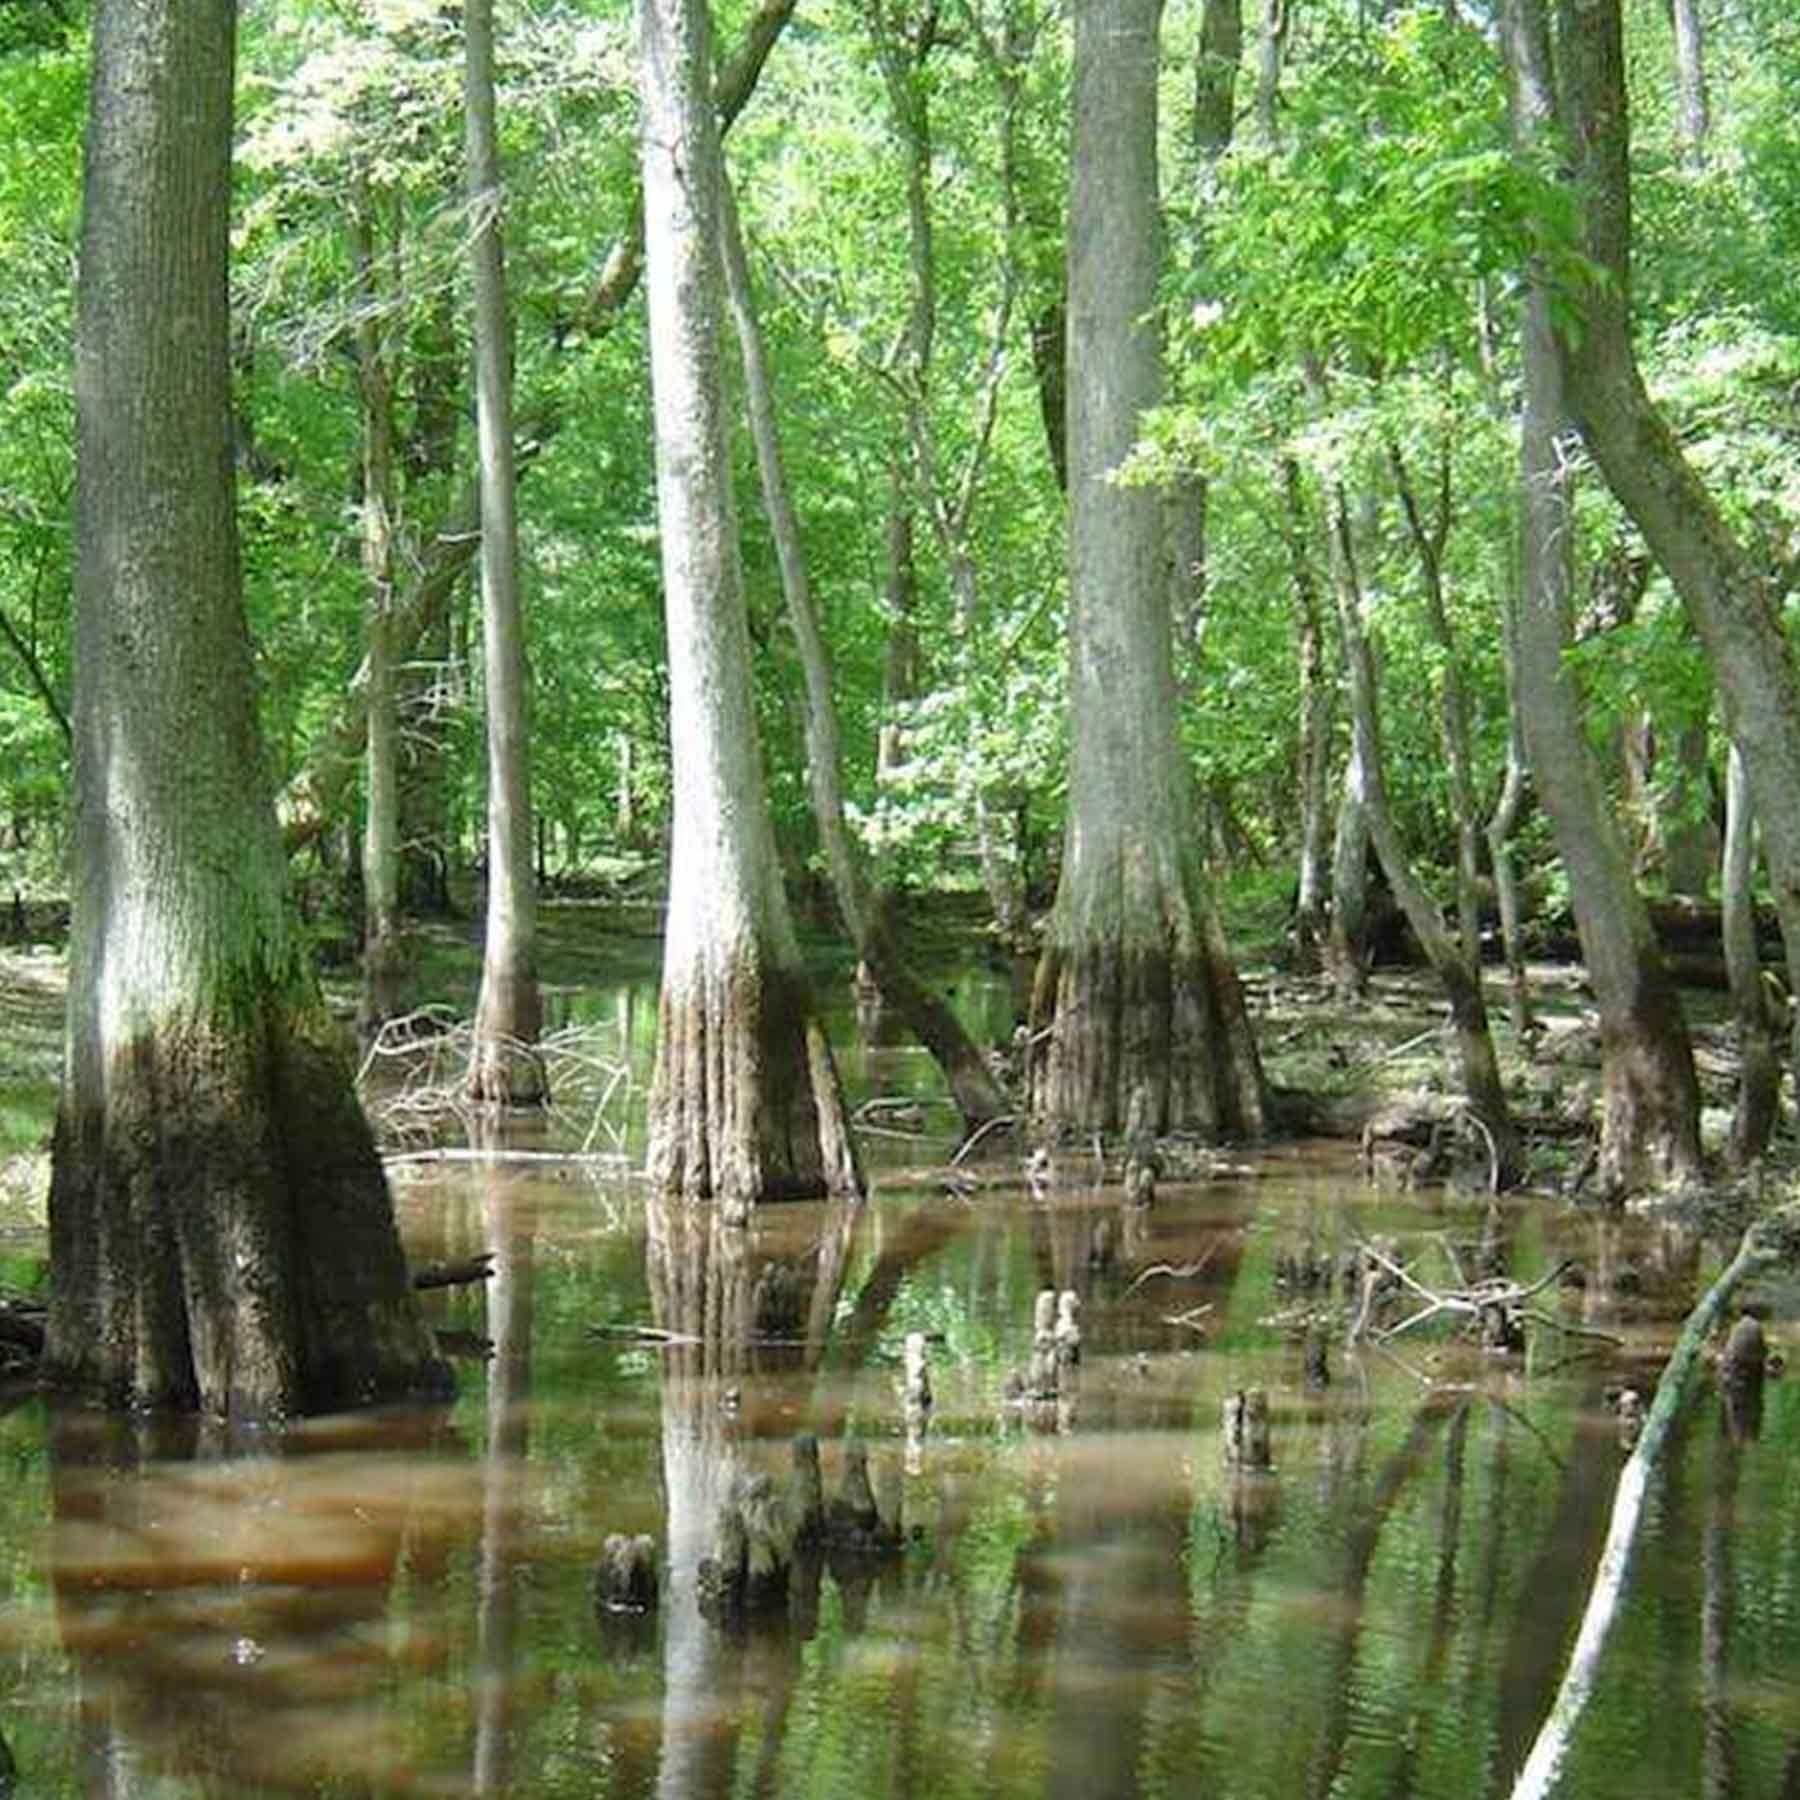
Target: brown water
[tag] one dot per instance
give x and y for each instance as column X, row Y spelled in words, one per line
column 1088, row 1602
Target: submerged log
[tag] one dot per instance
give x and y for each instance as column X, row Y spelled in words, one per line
column 1773, row 1240
column 454, row 1274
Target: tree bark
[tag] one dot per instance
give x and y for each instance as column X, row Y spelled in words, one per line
column 745, row 1103
column 1140, row 1022
column 1690, row 76
column 1313, row 747
column 1509, row 809
column 221, row 1235
column 1759, row 1051
column 504, row 1064
column 382, row 954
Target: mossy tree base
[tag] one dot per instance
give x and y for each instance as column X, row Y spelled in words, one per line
column 221, row 1234
column 1143, row 1037
column 746, row 1105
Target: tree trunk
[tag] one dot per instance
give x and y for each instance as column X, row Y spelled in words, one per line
column 1313, row 747
column 1508, row 810
column 504, row 1064
column 745, row 1103
column 1726, row 589
column 1347, row 940
column 1141, row 1021
column 382, row 954
column 1650, row 1124
column 1684, row 823
column 925, row 1015
column 1759, row 1049
column 220, row 1232
column 1429, row 543
column 1460, row 977
column 1690, row 76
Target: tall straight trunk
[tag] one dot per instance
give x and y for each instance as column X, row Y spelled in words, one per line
column 1759, row 1050
column 1503, row 823
column 504, row 1064
column 1725, row 587
column 1139, row 1023
column 925, row 1014
column 382, row 954
column 221, row 1235
column 1650, row 1123
column 1460, row 977
column 1347, row 940
column 745, row 1103
column 1690, row 76
column 1313, row 746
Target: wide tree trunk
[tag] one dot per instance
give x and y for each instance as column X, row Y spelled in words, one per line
column 504, row 1064
column 1137, row 1012
column 745, row 1103
column 1650, row 1121
column 220, row 1232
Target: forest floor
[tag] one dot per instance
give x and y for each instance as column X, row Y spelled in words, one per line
column 1383, row 1064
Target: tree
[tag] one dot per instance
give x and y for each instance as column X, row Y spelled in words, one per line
column 221, row 1234
column 503, row 1063
column 864, row 911
column 745, row 1103
column 1727, row 589
column 1141, row 1022
column 1650, row 1122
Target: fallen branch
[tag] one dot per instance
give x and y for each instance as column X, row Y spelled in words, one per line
column 454, row 1274
column 1770, row 1241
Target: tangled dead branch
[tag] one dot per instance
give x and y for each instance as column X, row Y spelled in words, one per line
column 415, row 1070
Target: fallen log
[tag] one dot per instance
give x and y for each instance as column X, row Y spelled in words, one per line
column 1772, row 1240
column 454, row 1274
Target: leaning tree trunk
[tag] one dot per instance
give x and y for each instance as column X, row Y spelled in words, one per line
column 1650, row 1122
column 925, row 1014
column 1458, row 973
column 1140, row 1020
column 220, row 1233
column 745, row 1103
column 504, row 1063
column 1726, row 589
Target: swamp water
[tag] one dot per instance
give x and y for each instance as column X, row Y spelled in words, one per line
column 1088, row 1601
